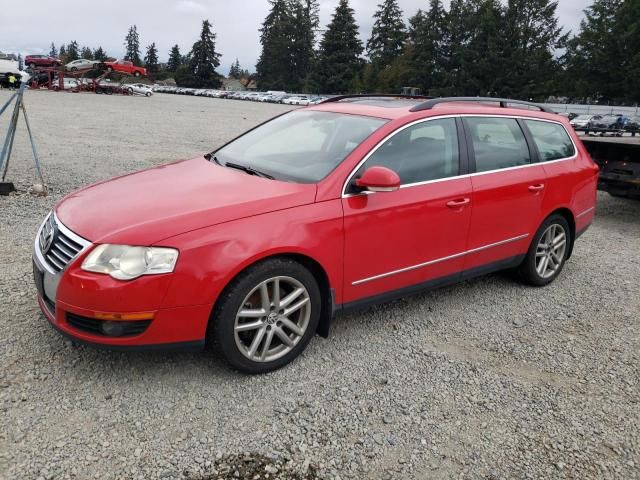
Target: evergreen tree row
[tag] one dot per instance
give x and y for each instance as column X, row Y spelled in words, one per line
column 512, row 48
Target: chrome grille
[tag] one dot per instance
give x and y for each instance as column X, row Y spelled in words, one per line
column 58, row 245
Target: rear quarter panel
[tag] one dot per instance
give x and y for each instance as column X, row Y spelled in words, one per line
column 572, row 184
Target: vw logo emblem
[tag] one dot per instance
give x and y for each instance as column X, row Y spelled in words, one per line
column 47, row 237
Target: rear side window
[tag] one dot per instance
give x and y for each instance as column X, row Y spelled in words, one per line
column 552, row 140
column 497, row 143
column 423, row 152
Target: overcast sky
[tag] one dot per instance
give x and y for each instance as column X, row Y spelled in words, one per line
column 29, row 26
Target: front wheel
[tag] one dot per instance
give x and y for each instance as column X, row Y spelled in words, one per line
column 266, row 316
column 137, row 74
column 548, row 252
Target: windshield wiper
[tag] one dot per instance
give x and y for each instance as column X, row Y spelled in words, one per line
column 249, row 170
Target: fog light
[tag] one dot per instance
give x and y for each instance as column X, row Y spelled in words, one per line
column 113, row 329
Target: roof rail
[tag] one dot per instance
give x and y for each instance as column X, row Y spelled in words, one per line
column 374, row 95
column 429, row 104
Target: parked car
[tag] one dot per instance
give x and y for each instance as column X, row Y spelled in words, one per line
column 297, row 100
column 613, row 122
column 569, row 115
column 34, row 61
column 258, row 244
column 68, row 84
column 317, row 100
column 581, row 122
column 633, row 125
column 82, row 64
column 140, row 89
column 125, row 66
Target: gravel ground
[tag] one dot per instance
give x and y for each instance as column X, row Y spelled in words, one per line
column 487, row 379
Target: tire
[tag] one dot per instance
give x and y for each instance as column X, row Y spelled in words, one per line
column 130, row 90
column 532, row 271
column 148, row 94
column 32, row 65
column 74, row 69
column 109, row 69
column 136, row 74
column 252, row 292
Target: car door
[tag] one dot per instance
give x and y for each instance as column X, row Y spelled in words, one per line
column 395, row 240
column 508, row 191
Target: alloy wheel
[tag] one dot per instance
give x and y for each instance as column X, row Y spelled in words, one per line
column 551, row 250
column 272, row 319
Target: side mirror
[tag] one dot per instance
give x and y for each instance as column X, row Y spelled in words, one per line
column 379, row 179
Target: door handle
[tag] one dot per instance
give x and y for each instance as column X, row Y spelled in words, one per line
column 462, row 202
column 536, row 188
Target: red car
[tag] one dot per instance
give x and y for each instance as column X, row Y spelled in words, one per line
column 35, row 61
column 354, row 201
column 125, row 66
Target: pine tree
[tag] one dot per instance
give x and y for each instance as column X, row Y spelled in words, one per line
column 457, row 35
column 388, row 34
column 204, row 58
column 86, row 53
column 99, row 54
column 594, row 56
column 62, row 53
column 531, row 38
column 483, row 61
column 275, row 63
column 132, row 46
column 305, row 21
column 628, row 34
column 235, row 70
column 151, row 59
column 53, row 52
column 427, row 49
column 175, row 59
column 72, row 52
column 340, row 50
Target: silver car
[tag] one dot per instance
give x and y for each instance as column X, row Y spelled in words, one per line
column 81, row 64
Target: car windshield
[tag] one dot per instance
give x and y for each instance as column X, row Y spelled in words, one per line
column 301, row 146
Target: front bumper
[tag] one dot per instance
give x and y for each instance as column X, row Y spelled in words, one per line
column 75, row 303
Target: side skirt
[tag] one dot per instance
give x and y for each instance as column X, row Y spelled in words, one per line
column 430, row 285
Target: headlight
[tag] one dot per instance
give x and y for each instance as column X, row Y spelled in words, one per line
column 123, row 262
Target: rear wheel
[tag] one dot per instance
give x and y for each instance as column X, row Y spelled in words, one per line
column 267, row 316
column 136, row 73
column 548, row 252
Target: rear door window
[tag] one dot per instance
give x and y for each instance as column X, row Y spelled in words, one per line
column 552, row 140
column 498, row 143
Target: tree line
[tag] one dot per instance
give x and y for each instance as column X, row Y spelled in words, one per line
column 513, row 48
column 195, row 69
column 506, row 48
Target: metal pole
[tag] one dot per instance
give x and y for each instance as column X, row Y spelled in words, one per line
column 4, row 107
column 8, row 141
column 33, row 145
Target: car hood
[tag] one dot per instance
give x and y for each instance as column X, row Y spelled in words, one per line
column 147, row 207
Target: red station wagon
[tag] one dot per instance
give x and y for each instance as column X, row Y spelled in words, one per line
column 257, row 245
